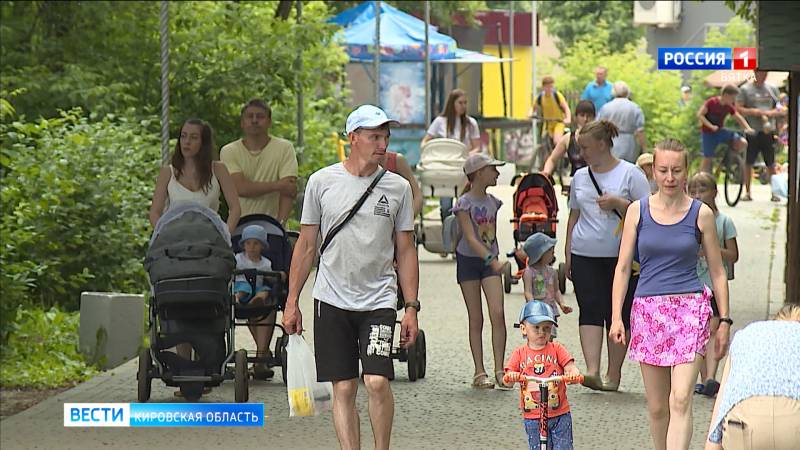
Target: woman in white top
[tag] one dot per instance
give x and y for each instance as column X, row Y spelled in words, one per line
column 454, row 123
column 193, row 176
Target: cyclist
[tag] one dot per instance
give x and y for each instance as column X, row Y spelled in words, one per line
column 552, row 106
column 712, row 120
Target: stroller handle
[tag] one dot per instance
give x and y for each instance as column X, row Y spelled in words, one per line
column 578, row 379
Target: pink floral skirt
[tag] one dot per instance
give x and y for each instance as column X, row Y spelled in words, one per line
column 667, row 330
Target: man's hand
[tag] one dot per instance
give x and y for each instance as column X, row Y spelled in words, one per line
column 409, row 328
column 292, row 318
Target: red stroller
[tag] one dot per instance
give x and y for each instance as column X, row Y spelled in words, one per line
column 535, row 211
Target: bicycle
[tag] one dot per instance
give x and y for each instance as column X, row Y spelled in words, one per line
column 733, row 165
column 543, row 396
column 542, row 153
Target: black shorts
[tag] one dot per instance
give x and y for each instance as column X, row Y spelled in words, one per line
column 714, row 307
column 342, row 338
column 593, row 279
column 472, row 268
column 763, row 143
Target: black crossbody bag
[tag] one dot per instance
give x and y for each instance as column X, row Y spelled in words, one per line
column 352, row 212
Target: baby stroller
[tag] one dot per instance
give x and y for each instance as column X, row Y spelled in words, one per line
column 535, row 211
column 190, row 263
column 441, row 169
column 279, row 252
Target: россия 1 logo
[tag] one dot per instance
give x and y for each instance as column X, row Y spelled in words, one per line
column 706, row 58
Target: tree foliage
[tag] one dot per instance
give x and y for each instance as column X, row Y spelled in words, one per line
column 656, row 92
column 571, row 21
column 442, row 13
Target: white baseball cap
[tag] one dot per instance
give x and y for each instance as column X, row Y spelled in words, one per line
column 478, row 161
column 368, row 116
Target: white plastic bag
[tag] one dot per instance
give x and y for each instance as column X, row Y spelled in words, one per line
column 307, row 396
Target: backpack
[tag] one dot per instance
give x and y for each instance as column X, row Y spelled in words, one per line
column 451, row 233
column 556, row 95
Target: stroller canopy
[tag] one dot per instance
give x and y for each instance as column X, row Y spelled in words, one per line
column 189, row 240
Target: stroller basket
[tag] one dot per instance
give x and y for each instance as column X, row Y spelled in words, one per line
column 192, row 298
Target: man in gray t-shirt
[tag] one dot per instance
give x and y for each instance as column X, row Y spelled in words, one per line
column 629, row 118
column 355, row 291
column 757, row 102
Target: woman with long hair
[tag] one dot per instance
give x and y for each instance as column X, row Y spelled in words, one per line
column 454, row 123
column 194, row 176
column 669, row 318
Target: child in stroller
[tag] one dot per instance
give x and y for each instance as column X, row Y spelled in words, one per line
column 535, row 211
column 249, row 287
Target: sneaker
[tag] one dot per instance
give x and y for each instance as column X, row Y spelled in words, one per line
column 699, row 388
column 711, row 389
column 746, row 198
column 262, row 372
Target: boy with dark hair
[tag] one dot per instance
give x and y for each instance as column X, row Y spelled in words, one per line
column 712, row 120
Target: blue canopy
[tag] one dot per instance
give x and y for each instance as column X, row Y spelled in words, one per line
column 402, row 35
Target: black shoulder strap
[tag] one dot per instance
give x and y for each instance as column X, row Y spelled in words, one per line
column 352, row 212
column 600, row 191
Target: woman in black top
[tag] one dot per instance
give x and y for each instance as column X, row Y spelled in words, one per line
column 584, row 113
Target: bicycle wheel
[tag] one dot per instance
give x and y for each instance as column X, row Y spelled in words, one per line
column 734, row 177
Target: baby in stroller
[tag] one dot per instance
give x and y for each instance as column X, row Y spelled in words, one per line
column 251, row 288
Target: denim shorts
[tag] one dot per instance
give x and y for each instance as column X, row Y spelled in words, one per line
column 472, row 268
column 559, row 432
column 710, row 141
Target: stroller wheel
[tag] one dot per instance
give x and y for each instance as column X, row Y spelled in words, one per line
column 507, row 278
column 241, row 392
column 422, row 358
column 562, row 279
column 413, row 362
column 143, row 376
column 280, row 350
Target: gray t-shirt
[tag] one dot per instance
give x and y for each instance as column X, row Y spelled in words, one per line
column 629, row 118
column 596, row 234
column 483, row 215
column 762, row 97
column 356, row 272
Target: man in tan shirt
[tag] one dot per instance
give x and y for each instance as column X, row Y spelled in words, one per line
column 264, row 169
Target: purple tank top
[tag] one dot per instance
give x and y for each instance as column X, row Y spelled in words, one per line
column 668, row 253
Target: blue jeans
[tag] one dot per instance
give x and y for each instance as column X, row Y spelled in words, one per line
column 559, row 432
column 445, row 205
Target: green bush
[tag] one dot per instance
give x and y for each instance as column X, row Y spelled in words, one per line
column 42, row 350
column 74, row 202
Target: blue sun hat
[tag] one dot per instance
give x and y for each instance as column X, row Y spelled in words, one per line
column 536, row 245
column 535, row 312
column 256, row 232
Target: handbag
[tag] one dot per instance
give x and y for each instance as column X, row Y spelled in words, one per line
column 352, row 212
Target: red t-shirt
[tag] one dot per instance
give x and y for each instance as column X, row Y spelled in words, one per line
column 716, row 113
column 544, row 363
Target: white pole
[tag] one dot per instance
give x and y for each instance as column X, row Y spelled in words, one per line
column 511, row 63
column 427, row 64
column 376, row 59
column 533, row 73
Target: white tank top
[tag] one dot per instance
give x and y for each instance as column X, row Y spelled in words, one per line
column 178, row 193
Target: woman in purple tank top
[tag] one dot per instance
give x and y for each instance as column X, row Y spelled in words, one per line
column 671, row 308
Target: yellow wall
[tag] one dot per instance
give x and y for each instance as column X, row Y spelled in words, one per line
column 492, row 96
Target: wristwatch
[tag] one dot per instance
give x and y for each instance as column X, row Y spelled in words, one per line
column 415, row 304
column 727, row 320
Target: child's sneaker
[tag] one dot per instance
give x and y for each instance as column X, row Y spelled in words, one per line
column 699, row 388
column 711, row 389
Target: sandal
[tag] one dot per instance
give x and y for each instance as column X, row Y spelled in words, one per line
column 500, row 384
column 481, row 381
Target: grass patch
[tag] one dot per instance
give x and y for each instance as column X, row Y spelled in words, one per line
column 42, row 350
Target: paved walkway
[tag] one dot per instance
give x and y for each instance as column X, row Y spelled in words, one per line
column 441, row 411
